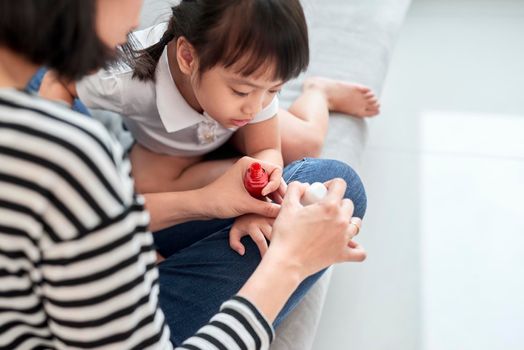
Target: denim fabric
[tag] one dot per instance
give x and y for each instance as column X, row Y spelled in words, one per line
column 34, row 85
column 201, row 271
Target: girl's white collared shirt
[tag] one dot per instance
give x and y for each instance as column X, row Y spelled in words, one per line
column 155, row 112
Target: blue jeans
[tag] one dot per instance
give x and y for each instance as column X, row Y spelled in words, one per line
column 201, row 271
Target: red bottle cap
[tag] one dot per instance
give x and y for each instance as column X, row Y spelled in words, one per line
column 255, row 180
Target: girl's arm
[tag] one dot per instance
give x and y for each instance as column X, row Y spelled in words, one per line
column 262, row 141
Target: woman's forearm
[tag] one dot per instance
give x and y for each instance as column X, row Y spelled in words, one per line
column 171, row 208
column 272, row 283
column 223, row 198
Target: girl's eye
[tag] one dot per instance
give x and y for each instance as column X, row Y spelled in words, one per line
column 239, row 93
column 274, row 91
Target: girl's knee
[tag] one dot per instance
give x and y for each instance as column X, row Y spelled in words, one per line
column 355, row 188
column 322, row 170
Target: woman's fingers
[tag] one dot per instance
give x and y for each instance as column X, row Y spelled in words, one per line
column 354, row 252
column 352, row 230
column 347, row 207
column 354, row 226
column 294, row 193
column 336, row 190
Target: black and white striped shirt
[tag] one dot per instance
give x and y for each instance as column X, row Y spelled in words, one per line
column 77, row 265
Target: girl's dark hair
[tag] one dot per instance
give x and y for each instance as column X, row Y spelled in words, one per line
column 59, row 34
column 246, row 34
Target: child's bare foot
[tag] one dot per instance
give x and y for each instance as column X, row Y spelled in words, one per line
column 347, row 98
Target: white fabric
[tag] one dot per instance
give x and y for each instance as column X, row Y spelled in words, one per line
column 155, row 112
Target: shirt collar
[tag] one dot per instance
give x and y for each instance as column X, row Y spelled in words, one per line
column 176, row 114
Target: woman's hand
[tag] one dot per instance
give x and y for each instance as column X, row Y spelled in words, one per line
column 256, row 226
column 316, row 236
column 304, row 240
column 226, row 197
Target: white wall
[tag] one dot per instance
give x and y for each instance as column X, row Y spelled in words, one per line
column 445, row 267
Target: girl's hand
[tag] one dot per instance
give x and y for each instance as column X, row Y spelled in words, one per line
column 316, row 236
column 256, row 226
column 226, row 197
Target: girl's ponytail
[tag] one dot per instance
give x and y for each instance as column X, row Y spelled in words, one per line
column 145, row 61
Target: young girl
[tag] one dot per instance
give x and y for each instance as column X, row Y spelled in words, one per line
column 212, row 74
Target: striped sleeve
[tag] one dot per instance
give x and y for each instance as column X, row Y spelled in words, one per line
column 77, row 263
column 238, row 325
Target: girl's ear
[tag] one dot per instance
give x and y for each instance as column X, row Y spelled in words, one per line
column 186, row 56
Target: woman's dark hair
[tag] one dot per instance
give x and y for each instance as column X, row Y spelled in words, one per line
column 246, row 34
column 59, row 34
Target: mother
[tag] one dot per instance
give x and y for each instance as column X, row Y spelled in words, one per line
column 77, row 264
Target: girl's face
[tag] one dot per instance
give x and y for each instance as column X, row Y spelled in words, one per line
column 232, row 99
column 115, row 19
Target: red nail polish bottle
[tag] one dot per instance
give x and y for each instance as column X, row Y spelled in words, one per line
column 255, row 180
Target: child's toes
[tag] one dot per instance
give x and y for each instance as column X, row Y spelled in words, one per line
column 374, row 108
column 369, row 113
column 369, row 95
column 372, row 103
column 363, row 89
column 372, row 111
